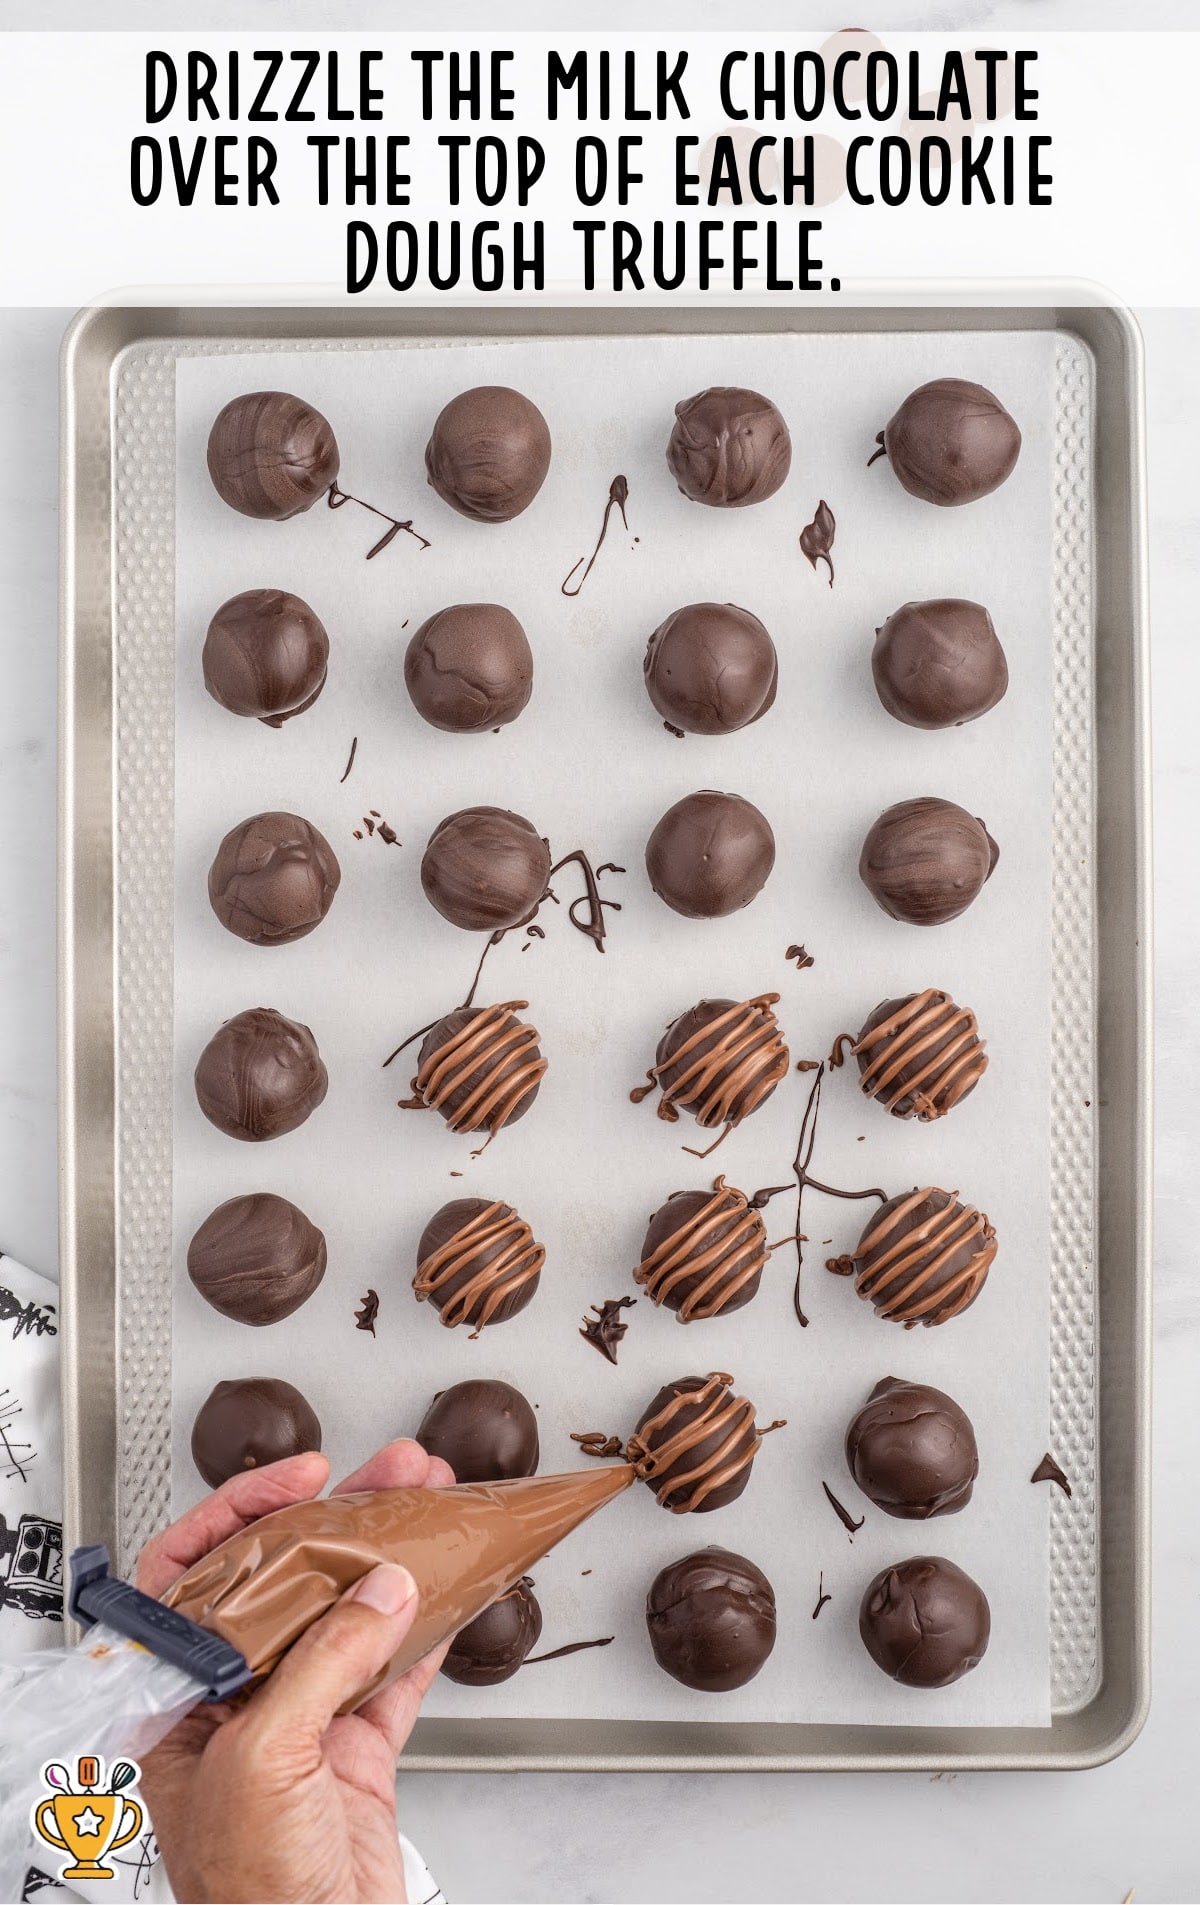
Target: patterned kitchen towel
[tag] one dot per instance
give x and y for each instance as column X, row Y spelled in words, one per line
column 30, row 1462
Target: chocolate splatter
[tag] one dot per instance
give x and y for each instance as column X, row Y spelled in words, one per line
column 350, row 762
column 604, row 1328
column 1048, row 1470
column 388, row 835
column 801, row 958
column 338, row 498
column 816, row 538
column 575, row 1647
column 808, row 1064
column 590, row 898
column 618, row 496
column 364, row 1319
column 843, row 1514
column 672, row 729
column 823, row 1599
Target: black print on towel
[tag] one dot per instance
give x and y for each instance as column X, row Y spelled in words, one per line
column 27, row 1319
column 31, row 1568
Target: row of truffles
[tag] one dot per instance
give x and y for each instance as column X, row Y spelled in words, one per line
column 272, row 456
column 711, row 1615
column 274, row 876
column 710, row 668
column 480, row 1067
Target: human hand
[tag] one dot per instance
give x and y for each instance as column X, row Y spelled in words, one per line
column 282, row 1798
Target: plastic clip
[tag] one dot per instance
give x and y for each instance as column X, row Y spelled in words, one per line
column 96, row 1595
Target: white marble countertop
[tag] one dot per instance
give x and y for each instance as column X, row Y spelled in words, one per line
column 984, row 1837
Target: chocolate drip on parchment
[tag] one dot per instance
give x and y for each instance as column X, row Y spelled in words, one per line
column 618, row 496
column 338, row 497
column 1048, row 1470
column 816, row 538
column 843, row 1514
column 573, row 1647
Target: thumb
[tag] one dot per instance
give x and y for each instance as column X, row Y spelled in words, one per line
column 339, row 1655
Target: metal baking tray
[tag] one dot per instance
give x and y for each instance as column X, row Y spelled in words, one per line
column 115, row 932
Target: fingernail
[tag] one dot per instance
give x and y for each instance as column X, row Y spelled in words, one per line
column 387, row 1589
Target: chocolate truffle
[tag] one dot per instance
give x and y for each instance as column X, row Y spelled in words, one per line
column 260, row 1075
column 711, row 668
column 710, row 854
column 951, row 442
column 704, row 1252
column 249, row 1422
column 920, row 1055
column 477, row 1263
column 729, row 448
column 486, row 869
column 489, row 453
column 923, row 1257
column 271, row 455
column 480, row 1067
column 469, row 668
column 256, row 1258
column 695, row 1444
column 912, row 1451
column 925, row 1622
column 485, row 1429
column 273, row 879
column 938, row 664
column 265, row 655
column 720, row 1060
column 924, row 861
column 493, row 1646
column 711, row 1618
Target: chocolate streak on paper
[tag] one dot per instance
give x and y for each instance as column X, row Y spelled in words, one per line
column 338, row 497
column 618, row 496
column 593, row 926
column 804, row 1181
column 816, row 538
column 350, row 762
column 1048, row 1470
column 823, row 1599
column 575, row 1646
column 843, row 1514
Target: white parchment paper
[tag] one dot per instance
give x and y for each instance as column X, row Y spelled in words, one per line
column 589, row 761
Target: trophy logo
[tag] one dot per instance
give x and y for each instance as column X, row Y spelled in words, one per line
column 90, row 1818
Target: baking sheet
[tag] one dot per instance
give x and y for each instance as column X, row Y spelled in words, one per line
column 590, row 762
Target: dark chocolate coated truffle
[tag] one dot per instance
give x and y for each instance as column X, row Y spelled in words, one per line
column 711, row 668
column 920, row 1055
column 489, row 453
column 912, row 1451
column 260, row 1075
column 249, row 1422
column 720, row 1060
column 265, row 655
column 480, row 1067
column 469, row 668
column 711, row 1618
column 951, row 442
column 695, row 1444
column 477, row 1263
column 271, row 455
column 925, row 1622
column 485, row 869
column 273, row 879
column 485, row 1429
column 710, row 855
column 256, row 1258
column 938, row 664
column 729, row 448
column 494, row 1645
column 925, row 860
column 923, row 1257
column 704, row 1252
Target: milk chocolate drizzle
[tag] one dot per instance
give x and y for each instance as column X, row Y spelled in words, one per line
column 897, row 1262
column 921, row 1059
column 663, row 1443
column 722, row 1265
column 338, row 497
column 816, row 538
column 595, row 1442
column 496, row 1256
column 724, row 1084
column 497, row 1053
column 618, row 496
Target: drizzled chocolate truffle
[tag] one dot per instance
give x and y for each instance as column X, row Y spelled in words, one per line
column 480, row 1067
column 273, row 879
column 711, row 1619
column 704, row 1252
column 729, row 448
column 951, row 442
column 271, row 455
column 912, row 1451
column 469, row 668
column 925, row 1622
column 919, row 1056
column 485, row 1429
column 265, row 655
column 249, row 1422
column 477, row 1263
column 924, row 861
column 489, row 453
column 256, row 1258
column 695, row 1444
column 486, row 869
column 938, row 664
column 494, row 1645
column 710, row 855
column 923, row 1257
column 260, row 1075
column 720, row 1060
column 711, row 668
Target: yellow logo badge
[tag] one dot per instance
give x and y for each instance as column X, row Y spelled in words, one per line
column 89, row 1818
